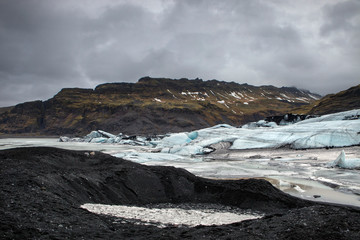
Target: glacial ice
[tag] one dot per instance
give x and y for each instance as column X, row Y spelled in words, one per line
column 93, row 134
column 185, row 150
column 333, row 130
column 261, row 123
column 175, row 139
column 221, row 126
column 193, row 135
column 99, row 140
column 141, row 157
column 106, row 134
column 342, row 162
column 333, row 117
column 100, row 136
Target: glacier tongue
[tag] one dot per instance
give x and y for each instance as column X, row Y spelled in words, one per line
column 333, row 130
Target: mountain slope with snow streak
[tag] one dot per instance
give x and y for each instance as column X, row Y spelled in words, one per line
column 151, row 106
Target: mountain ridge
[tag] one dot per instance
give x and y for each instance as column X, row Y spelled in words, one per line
column 151, row 105
column 348, row 99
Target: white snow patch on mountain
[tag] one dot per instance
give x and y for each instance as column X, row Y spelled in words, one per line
column 313, row 97
column 235, row 95
column 284, row 95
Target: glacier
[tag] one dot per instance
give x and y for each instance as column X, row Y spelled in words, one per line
column 332, row 130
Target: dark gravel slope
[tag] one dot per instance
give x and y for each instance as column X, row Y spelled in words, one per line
column 42, row 189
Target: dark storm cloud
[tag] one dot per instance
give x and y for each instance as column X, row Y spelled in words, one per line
column 38, row 50
column 46, row 45
column 342, row 27
column 35, row 39
column 343, row 16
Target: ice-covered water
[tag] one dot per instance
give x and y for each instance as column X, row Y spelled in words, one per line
column 6, row 143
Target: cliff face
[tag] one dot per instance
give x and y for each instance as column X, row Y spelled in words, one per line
column 152, row 105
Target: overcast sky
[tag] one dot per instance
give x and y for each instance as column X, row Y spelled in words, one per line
column 46, row 45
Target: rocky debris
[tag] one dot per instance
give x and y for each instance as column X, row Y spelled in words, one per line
column 288, row 118
column 352, row 117
column 220, row 147
column 281, row 120
column 260, row 123
column 42, row 190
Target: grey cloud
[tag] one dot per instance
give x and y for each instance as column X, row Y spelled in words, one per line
column 343, row 16
column 342, row 27
column 35, row 39
column 47, row 44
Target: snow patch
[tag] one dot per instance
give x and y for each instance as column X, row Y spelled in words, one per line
column 303, row 99
column 172, row 94
column 313, row 97
column 174, row 214
column 224, row 103
column 284, row 95
column 234, row 95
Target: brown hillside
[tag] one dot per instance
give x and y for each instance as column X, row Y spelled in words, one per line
column 345, row 100
column 152, row 105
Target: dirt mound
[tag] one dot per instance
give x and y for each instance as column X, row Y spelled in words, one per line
column 42, row 190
